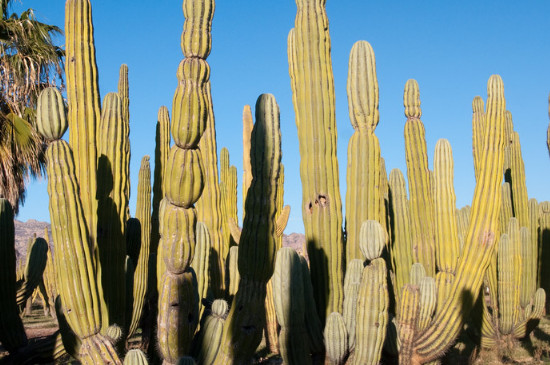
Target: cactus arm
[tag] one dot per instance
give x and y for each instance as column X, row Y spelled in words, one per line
column 352, row 284
column 401, row 245
column 37, row 256
column 313, row 95
column 201, row 264
column 409, row 310
column 478, row 131
column 141, row 273
column 124, row 94
column 446, row 231
column 421, row 202
column 480, row 241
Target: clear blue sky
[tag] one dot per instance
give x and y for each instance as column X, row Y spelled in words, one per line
column 450, row 48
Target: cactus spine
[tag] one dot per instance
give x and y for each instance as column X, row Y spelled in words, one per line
column 312, row 84
column 178, row 302
column 421, row 202
column 246, row 320
column 12, row 333
column 363, row 172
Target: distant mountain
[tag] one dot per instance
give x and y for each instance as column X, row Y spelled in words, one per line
column 24, row 231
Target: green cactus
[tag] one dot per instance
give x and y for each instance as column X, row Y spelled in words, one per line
column 201, row 264
column 372, row 299
column 141, row 273
column 289, row 302
column 112, row 204
column 74, row 256
column 135, row 357
column 178, row 301
column 336, row 339
column 246, row 320
column 12, row 333
column 420, row 191
column 233, row 271
column 401, row 245
column 428, row 298
column 162, row 149
column 310, row 68
column 480, row 241
column 197, row 41
column 124, row 94
column 478, row 132
column 211, row 332
column 364, row 170
column 352, row 284
column 446, row 232
column 408, row 314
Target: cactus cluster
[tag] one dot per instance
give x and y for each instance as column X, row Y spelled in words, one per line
column 398, row 280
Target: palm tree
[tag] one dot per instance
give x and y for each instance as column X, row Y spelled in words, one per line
column 29, row 62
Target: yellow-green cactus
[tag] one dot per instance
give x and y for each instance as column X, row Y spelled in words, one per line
column 310, row 68
column 420, row 190
column 363, row 169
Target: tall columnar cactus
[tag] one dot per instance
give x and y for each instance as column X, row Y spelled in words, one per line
column 83, row 103
column 288, row 297
column 446, row 233
column 12, row 333
column 544, row 248
column 201, row 264
column 112, row 178
column 124, row 94
column 400, row 223
column 372, row 299
column 408, row 313
column 162, row 149
column 248, row 124
column 528, row 268
column 478, row 131
column 74, row 260
column 184, row 183
column 209, row 206
column 243, row 330
column 37, row 256
column 363, row 170
column 312, row 84
column 421, row 202
column 233, row 271
column 480, row 241
column 516, row 178
column 141, row 273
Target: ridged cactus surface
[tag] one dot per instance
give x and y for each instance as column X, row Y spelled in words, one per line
column 310, row 68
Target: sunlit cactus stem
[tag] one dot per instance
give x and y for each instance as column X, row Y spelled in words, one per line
column 310, row 68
